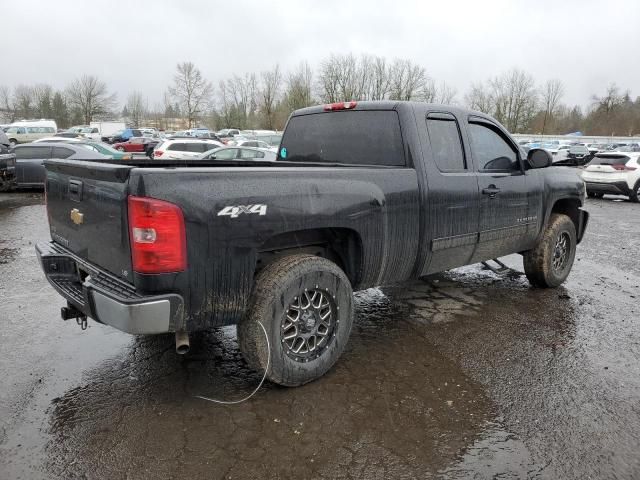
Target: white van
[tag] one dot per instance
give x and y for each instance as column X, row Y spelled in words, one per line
column 26, row 131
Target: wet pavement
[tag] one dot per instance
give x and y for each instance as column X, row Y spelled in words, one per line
column 467, row 376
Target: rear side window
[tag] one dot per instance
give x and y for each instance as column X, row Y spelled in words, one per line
column 61, row 152
column 353, row 137
column 446, row 144
column 26, row 153
column 178, row 146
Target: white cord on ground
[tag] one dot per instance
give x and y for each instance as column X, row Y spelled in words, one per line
column 235, row 402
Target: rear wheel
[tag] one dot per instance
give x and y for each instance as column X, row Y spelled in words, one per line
column 13, row 142
column 549, row 263
column 634, row 196
column 5, row 185
column 305, row 304
column 120, row 149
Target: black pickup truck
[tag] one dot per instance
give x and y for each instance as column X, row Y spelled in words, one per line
column 361, row 194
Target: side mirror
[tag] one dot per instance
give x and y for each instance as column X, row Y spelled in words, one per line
column 539, row 158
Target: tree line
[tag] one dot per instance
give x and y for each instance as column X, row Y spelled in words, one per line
column 264, row 100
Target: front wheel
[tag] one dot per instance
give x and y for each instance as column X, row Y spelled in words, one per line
column 595, row 195
column 549, row 263
column 305, row 304
column 120, row 149
column 5, row 185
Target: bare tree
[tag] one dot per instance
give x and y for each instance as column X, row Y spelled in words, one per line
column 514, row 99
column 137, row 106
column 269, row 94
column 23, row 101
column 90, row 97
column 552, row 92
column 408, row 81
column 43, row 97
column 6, row 103
column 380, row 79
column 299, row 87
column 191, row 91
column 478, row 98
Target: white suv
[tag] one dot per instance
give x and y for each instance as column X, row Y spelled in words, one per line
column 183, row 148
column 617, row 173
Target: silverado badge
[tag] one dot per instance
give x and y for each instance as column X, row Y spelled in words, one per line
column 76, row 216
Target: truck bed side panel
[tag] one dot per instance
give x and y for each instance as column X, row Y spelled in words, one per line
column 379, row 204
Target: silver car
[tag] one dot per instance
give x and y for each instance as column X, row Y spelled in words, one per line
column 30, row 157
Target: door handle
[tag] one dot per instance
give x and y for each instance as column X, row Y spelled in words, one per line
column 491, row 190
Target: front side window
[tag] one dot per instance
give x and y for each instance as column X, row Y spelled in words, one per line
column 61, row 152
column 491, row 151
column 446, row 144
column 226, row 154
column 248, row 154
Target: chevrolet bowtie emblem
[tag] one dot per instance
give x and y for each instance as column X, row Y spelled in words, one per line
column 76, row 216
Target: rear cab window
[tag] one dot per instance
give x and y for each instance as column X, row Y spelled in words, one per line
column 350, row 137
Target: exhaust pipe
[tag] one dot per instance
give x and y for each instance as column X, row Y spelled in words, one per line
column 182, row 342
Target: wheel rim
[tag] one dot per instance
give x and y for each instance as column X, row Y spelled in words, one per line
column 307, row 328
column 561, row 252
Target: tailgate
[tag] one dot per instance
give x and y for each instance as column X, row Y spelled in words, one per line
column 87, row 210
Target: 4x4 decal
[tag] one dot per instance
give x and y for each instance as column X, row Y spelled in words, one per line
column 234, row 211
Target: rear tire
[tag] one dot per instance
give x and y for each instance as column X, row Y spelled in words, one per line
column 634, row 196
column 306, row 304
column 5, row 185
column 120, row 149
column 549, row 263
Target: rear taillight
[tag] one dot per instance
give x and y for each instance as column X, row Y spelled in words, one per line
column 157, row 153
column 622, row 167
column 158, row 239
column 329, row 107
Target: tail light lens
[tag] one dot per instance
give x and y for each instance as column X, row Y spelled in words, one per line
column 158, row 239
column 622, row 167
column 157, row 153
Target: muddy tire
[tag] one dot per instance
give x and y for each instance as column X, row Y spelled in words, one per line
column 548, row 264
column 634, row 196
column 5, row 186
column 306, row 306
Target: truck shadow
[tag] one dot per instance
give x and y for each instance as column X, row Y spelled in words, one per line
column 393, row 406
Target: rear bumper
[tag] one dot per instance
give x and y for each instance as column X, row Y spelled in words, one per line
column 615, row 188
column 105, row 298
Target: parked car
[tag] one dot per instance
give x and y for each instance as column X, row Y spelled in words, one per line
column 184, row 148
column 279, row 251
column 138, row 145
column 124, row 135
column 595, row 147
column 228, row 132
column 7, row 164
column 576, row 156
column 616, row 173
column 29, row 130
column 105, row 149
column 239, row 153
column 60, row 139
column 108, row 129
column 29, row 168
column 254, row 144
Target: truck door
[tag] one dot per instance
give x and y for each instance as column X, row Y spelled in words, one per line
column 453, row 199
column 504, row 206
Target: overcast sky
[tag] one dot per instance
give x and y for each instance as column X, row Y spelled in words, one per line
column 135, row 45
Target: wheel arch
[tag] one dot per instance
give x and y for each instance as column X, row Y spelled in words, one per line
column 571, row 208
column 342, row 246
